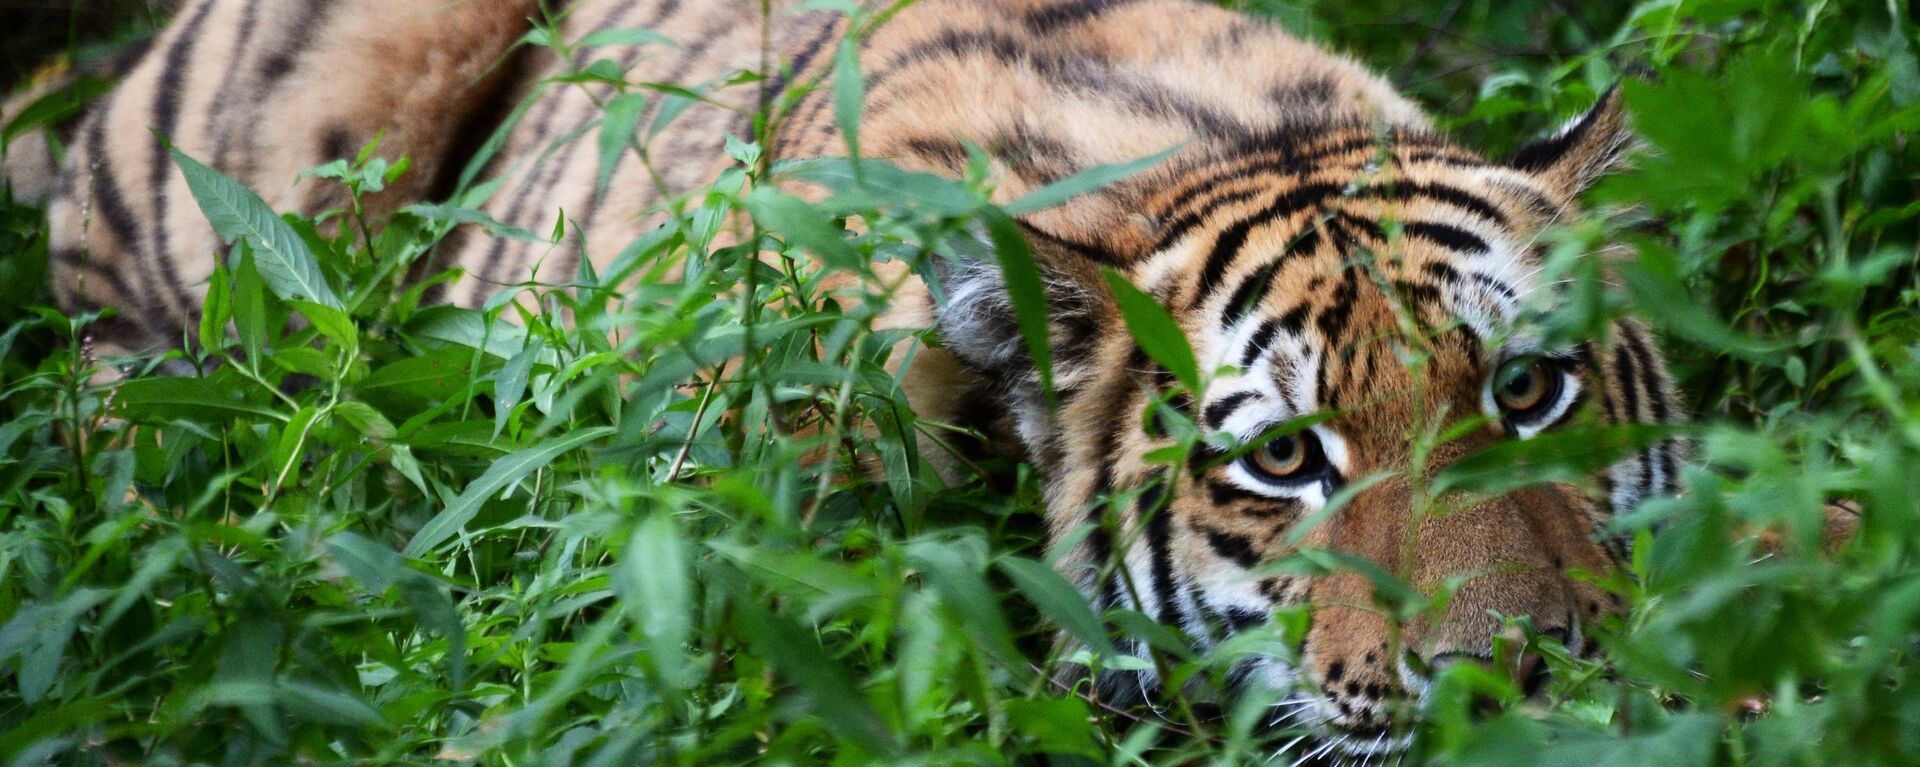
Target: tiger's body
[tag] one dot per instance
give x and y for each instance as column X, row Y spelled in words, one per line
column 1308, row 217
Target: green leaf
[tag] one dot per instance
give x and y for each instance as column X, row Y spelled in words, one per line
column 1563, row 455
column 798, row 222
column 617, row 122
column 1058, row 600
column 286, row 265
column 217, row 310
column 329, row 705
column 797, row 655
column 372, row 564
column 1089, row 180
column 291, row 447
column 436, row 375
column 849, row 95
column 1056, row 725
column 456, row 214
column 189, row 399
column 1661, row 295
column 503, row 473
column 330, row 322
column 1154, row 329
column 57, row 106
column 652, row 583
column 249, row 305
column 1025, row 289
column 631, row 36
column 510, row 383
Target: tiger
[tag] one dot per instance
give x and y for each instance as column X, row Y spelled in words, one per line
column 1303, row 216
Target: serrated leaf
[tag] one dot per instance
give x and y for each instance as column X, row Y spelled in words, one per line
column 287, row 266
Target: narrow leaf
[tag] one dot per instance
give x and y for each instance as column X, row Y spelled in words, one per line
column 1154, row 329
column 504, row 472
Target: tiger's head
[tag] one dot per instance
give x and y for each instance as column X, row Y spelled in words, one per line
column 1375, row 284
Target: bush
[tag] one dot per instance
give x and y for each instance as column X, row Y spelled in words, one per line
column 641, row 524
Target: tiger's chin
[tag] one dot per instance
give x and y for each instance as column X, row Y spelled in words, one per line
column 1324, row 744
column 1300, row 724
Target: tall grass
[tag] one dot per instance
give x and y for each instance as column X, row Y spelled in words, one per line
column 680, row 512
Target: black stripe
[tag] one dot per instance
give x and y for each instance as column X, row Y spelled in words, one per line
column 1241, row 618
column 166, row 117
column 951, row 43
column 802, row 58
column 1446, row 236
column 1160, row 544
column 1540, row 155
column 272, row 70
column 1035, row 157
column 1451, row 195
column 1506, row 291
column 589, row 208
column 1333, row 319
column 1625, row 366
column 1257, row 346
column 1417, row 293
column 1238, row 548
column 1441, row 271
column 107, row 191
column 223, row 140
column 1224, row 493
column 1323, row 396
column 1291, row 151
column 1230, row 241
column 1051, row 18
column 1295, row 319
column 1084, row 250
column 1247, row 297
column 1446, row 156
column 1654, row 378
column 1291, row 161
column 542, row 175
column 1178, row 228
column 1348, row 223
column 298, row 37
column 1145, row 96
column 1218, row 412
column 947, row 151
column 1099, row 541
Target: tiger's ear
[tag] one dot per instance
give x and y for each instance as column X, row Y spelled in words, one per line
column 977, row 322
column 1583, row 150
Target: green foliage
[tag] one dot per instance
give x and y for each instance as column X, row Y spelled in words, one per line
column 680, row 512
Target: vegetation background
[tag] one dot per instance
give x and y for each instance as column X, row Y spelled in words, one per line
column 418, row 535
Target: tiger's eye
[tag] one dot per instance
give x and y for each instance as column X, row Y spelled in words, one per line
column 1281, row 457
column 1523, row 384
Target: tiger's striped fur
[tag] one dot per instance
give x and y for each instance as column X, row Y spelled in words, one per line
column 1309, row 232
